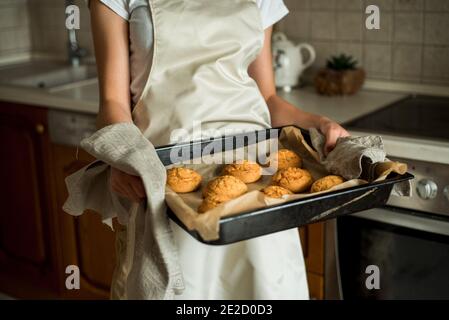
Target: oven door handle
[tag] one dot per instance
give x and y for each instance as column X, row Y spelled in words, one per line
column 406, row 220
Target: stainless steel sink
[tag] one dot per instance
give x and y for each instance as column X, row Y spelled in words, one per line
column 46, row 75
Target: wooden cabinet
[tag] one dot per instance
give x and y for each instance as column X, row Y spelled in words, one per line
column 312, row 239
column 85, row 241
column 27, row 254
column 37, row 239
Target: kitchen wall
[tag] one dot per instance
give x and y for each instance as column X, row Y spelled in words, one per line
column 49, row 35
column 15, row 39
column 37, row 27
column 412, row 44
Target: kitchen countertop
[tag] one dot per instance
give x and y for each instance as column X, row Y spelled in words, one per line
column 83, row 97
column 341, row 108
column 78, row 98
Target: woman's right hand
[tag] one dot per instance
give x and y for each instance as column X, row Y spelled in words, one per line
column 127, row 186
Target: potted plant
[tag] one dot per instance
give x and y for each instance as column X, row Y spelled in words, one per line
column 340, row 77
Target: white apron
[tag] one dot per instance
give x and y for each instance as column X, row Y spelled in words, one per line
column 202, row 50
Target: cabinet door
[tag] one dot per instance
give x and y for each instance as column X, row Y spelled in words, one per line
column 86, row 242
column 27, row 257
column 312, row 240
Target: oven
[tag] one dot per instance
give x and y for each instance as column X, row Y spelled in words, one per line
column 401, row 250
column 407, row 251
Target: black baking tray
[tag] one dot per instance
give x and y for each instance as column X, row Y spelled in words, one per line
column 297, row 213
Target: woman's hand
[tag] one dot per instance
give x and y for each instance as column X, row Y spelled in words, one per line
column 127, row 186
column 332, row 131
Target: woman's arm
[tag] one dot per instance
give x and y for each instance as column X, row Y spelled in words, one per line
column 282, row 112
column 110, row 34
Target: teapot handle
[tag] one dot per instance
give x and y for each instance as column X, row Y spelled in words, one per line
column 279, row 36
column 312, row 54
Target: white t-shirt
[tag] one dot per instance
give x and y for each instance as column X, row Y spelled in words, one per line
column 137, row 13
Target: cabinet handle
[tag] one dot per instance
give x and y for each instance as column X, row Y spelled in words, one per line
column 40, row 129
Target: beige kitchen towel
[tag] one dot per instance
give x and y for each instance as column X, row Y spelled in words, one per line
column 357, row 157
column 155, row 272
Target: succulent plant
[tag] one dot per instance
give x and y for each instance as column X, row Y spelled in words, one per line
column 341, row 62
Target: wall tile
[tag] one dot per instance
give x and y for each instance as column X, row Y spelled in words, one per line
column 323, row 25
column 14, row 27
column 407, row 62
column 408, row 5
column 350, row 5
column 14, row 16
column 11, row 3
column 297, row 25
column 322, row 4
column 377, row 60
column 437, row 5
column 408, row 27
column 349, row 26
column 436, row 63
column 8, row 41
column 385, row 33
column 384, row 5
column 297, row 4
column 436, row 28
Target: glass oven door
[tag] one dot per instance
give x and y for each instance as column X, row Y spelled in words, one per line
column 390, row 253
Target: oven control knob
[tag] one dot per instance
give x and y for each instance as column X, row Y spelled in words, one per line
column 427, row 189
column 446, row 192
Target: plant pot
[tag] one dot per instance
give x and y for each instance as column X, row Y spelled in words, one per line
column 332, row 82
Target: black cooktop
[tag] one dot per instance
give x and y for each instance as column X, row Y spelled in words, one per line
column 414, row 116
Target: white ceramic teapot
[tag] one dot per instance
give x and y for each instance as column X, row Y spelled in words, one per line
column 288, row 61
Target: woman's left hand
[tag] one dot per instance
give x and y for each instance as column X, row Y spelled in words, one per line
column 332, row 131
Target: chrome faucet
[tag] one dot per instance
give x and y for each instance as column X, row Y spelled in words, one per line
column 75, row 52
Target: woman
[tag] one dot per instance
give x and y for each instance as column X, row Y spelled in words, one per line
column 167, row 64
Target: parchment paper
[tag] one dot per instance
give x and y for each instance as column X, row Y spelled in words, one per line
column 207, row 224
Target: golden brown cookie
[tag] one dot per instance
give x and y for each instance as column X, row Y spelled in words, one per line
column 294, row 179
column 183, row 180
column 285, row 158
column 326, row 183
column 224, row 188
column 275, row 191
column 246, row 171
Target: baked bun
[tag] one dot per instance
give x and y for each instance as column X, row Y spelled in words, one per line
column 275, row 191
column 224, row 188
column 219, row 190
column 246, row 171
column 294, row 179
column 326, row 183
column 208, row 204
column 183, row 180
column 285, row 158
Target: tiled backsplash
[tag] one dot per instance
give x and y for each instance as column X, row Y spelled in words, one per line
column 38, row 27
column 412, row 44
column 15, row 39
column 50, row 35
